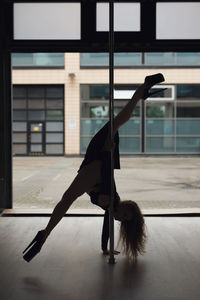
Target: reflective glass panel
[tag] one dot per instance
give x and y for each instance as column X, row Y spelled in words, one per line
column 159, row 144
column 36, row 137
column 36, row 115
column 159, row 127
column 34, row 103
column 188, row 127
column 37, row 127
column 54, row 126
column 188, row 144
column 91, row 127
column 57, row 103
column 166, row 58
column 36, row 92
column 54, row 92
column 188, row 110
column 54, row 137
column 132, row 127
column 19, row 138
column 36, row 148
column 188, row 23
column 19, row 104
column 126, row 17
column 188, row 58
column 19, row 149
column 19, row 126
column 54, row 149
column 19, row 92
column 65, row 25
column 129, row 144
column 19, row 115
column 54, row 115
column 159, row 109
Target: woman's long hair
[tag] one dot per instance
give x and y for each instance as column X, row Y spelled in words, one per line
column 132, row 233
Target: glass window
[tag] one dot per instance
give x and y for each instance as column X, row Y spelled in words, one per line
column 54, row 92
column 102, row 59
column 54, row 115
column 94, row 59
column 94, row 92
column 160, row 127
column 36, row 148
column 54, row 137
column 36, row 138
column 37, row 59
column 35, row 104
column 175, row 21
column 54, row 149
column 91, row 127
column 19, row 92
column 66, row 23
column 36, row 115
column 166, row 58
column 19, row 126
column 19, row 104
column 188, row 110
column 127, row 59
column 49, row 59
column 159, row 144
column 19, row 115
column 188, row 127
column 126, row 17
column 188, row 91
column 36, row 92
column 129, row 144
column 99, row 92
column 159, row 109
column 188, row 58
column 19, row 138
column 132, row 127
column 188, row 144
column 57, row 103
column 54, row 126
column 37, row 127
column 22, row 59
column 19, row 149
column 84, row 143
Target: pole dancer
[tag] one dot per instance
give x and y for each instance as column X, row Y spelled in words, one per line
column 94, row 178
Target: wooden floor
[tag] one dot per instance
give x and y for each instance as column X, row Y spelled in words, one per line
column 71, row 266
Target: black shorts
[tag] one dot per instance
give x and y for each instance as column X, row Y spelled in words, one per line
column 94, row 149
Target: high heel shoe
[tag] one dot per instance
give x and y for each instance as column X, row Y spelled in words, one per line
column 150, row 81
column 38, row 242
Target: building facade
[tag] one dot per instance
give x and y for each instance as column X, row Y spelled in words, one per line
column 60, row 100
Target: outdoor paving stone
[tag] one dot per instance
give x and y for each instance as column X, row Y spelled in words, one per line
column 153, row 182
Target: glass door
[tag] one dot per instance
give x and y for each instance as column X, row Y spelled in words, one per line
column 36, row 138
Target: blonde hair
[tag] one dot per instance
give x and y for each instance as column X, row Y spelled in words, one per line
column 132, row 233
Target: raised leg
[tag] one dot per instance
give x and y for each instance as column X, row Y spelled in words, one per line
column 125, row 114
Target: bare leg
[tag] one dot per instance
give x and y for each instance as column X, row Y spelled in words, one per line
column 125, row 114
column 83, row 182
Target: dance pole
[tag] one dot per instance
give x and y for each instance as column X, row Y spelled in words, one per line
column 111, row 118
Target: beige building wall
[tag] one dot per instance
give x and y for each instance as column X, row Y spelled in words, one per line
column 72, row 76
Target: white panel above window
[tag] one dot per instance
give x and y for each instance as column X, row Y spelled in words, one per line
column 178, row 20
column 47, row 21
column 126, row 16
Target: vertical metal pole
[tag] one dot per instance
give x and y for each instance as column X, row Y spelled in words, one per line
column 111, row 113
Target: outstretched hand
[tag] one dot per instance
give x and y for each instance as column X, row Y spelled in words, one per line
column 107, row 252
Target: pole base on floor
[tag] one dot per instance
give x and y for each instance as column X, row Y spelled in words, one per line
column 111, row 261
